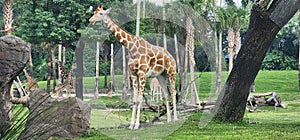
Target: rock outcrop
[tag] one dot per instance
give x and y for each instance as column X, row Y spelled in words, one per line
column 14, row 54
column 56, row 117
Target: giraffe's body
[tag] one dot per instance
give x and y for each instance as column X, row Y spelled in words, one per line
column 155, row 89
column 67, row 84
column 146, row 60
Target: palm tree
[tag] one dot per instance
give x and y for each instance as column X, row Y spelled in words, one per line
column 190, row 46
column 8, row 16
column 230, row 20
column 219, row 27
column 236, row 18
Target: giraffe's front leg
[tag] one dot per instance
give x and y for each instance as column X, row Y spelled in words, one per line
column 142, row 82
column 134, row 100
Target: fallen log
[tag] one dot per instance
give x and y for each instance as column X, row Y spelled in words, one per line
column 263, row 99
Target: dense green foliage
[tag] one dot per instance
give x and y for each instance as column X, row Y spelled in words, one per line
column 65, row 22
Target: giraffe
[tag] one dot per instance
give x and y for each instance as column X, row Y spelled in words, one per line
column 155, row 88
column 146, row 60
column 31, row 82
column 67, row 82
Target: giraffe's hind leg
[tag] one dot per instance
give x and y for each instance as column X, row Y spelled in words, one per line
column 172, row 80
column 163, row 82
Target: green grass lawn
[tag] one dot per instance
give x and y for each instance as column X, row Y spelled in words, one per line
column 279, row 124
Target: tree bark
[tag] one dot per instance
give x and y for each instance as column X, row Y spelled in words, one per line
column 299, row 55
column 79, row 70
column 263, row 27
column 299, row 65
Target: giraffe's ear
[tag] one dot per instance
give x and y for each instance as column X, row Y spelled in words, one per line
column 107, row 11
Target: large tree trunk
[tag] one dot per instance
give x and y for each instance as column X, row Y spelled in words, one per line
column 79, row 70
column 263, row 27
column 299, row 55
column 299, row 64
column 13, row 58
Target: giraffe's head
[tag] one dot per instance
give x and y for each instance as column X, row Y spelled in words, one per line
column 99, row 15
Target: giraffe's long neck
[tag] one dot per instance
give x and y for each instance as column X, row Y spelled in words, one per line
column 62, row 70
column 28, row 77
column 122, row 35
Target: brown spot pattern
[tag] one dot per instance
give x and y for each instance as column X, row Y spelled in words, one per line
column 158, row 68
column 142, row 50
column 124, row 42
column 129, row 37
column 160, row 62
column 142, row 42
column 118, row 36
column 123, row 34
column 159, row 56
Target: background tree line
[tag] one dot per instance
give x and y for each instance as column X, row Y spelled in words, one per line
column 44, row 22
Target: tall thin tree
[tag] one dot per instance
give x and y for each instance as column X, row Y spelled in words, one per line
column 124, row 91
column 53, row 67
column 96, row 91
column 112, row 70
